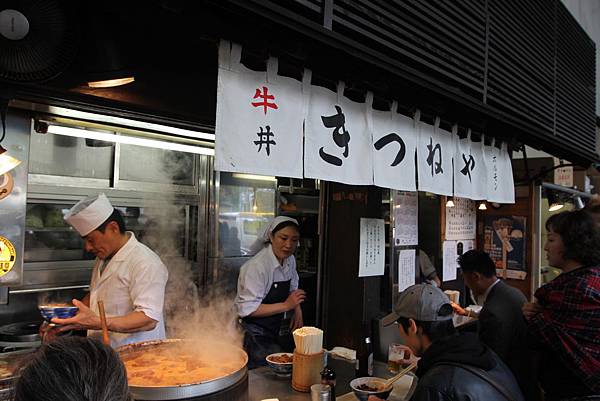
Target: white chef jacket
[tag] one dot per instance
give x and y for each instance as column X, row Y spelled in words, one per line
column 258, row 275
column 133, row 280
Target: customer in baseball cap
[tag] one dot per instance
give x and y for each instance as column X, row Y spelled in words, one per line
column 453, row 366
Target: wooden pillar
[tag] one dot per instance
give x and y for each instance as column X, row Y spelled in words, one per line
column 348, row 300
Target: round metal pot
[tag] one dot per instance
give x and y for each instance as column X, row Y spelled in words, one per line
column 187, row 390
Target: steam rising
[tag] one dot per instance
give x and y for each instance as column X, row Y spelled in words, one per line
column 188, row 313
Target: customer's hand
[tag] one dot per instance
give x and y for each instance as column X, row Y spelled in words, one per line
column 530, row 309
column 458, row 309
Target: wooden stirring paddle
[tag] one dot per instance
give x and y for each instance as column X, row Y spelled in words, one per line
column 390, row 382
column 105, row 337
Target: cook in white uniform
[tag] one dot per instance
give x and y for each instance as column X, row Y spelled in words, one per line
column 128, row 277
column 268, row 287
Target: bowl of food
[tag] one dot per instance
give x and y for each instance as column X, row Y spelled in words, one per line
column 281, row 363
column 63, row 311
column 363, row 387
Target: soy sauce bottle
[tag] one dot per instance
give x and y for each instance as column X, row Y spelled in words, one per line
column 328, row 377
column 364, row 355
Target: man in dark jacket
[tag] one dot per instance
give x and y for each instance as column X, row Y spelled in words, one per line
column 453, row 367
column 501, row 327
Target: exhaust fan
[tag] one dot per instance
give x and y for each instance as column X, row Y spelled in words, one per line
column 38, row 40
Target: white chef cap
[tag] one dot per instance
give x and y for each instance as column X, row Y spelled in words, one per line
column 263, row 233
column 89, row 214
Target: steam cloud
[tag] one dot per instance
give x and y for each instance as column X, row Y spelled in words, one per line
column 188, row 313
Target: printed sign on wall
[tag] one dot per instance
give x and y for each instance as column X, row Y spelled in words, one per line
column 372, row 248
column 461, row 219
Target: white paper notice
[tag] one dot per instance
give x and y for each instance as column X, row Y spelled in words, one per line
column 461, row 219
column 406, row 218
column 452, row 250
column 372, row 248
column 449, row 261
column 406, row 269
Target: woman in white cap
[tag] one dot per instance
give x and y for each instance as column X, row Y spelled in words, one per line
column 128, row 277
column 267, row 288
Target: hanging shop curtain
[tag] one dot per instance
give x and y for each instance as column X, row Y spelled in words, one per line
column 259, row 118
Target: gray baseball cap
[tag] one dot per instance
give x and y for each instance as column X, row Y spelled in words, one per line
column 422, row 302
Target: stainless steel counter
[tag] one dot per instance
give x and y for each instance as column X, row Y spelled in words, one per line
column 264, row 384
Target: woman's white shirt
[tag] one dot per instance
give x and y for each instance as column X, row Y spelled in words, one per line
column 258, row 275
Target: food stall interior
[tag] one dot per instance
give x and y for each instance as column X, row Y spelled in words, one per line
column 202, row 223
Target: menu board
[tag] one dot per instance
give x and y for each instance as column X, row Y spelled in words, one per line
column 406, row 218
column 461, row 219
column 372, row 248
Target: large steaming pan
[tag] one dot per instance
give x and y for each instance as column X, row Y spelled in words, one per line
column 187, row 390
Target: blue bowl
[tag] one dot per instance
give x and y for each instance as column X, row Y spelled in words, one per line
column 280, row 368
column 61, row 311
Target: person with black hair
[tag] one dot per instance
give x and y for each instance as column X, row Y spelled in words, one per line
column 453, row 366
column 73, row 369
column 563, row 323
column 500, row 325
column 267, row 288
column 128, row 277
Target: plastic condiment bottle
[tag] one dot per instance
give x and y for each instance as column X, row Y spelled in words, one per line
column 328, row 377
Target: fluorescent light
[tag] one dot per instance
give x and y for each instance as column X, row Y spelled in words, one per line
column 7, row 162
column 110, row 83
column 129, row 140
column 254, row 177
column 554, row 201
column 83, row 115
column 555, row 206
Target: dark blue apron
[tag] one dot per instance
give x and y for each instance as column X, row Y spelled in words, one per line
column 261, row 333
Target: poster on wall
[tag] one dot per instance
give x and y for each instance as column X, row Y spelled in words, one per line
column 461, row 219
column 371, row 261
column 406, row 218
column 505, row 240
